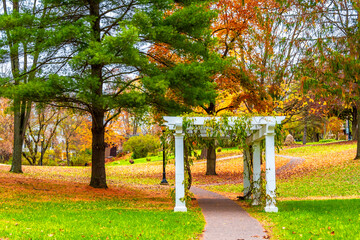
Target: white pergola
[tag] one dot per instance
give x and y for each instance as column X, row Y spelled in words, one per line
column 261, row 127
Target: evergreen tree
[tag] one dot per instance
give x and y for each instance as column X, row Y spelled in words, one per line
column 105, row 65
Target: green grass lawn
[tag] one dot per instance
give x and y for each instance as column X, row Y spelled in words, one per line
column 342, row 180
column 95, row 220
column 57, row 203
column 316, row 149
column 318, row 219
column 322, row 141
column 148, row 159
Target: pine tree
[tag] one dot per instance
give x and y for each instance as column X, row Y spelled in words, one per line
column 105, row 66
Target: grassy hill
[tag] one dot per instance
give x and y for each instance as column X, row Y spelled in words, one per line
column 318, row 198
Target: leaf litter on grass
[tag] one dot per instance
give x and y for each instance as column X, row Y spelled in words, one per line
column 37, row 186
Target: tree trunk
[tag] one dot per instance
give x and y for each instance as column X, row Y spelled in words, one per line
column 354, row 123
column 67, row 152
column 316, row 137
column 211, row 151
column 135, row 128
column 305, row 133
column 98, row 175
column 42, row 153
column 211, row 160
column 357, row 132
column 18, row 140
column 203, row 154
column 22, row 111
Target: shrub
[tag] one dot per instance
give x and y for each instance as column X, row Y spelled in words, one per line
column 81, row 158
column 50, row 162
column 141, row 145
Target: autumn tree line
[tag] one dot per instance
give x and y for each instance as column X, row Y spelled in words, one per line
column 61, row 137
column 91, row 62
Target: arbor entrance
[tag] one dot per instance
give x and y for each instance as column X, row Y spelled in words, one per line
column 260, row 128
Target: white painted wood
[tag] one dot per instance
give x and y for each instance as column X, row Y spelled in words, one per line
column 256, row 135
column 270, row 170
column 266, row 120
column 256, row 173
column 246, row 174
column 180, row 205
column 261, row 127
column 201, row 120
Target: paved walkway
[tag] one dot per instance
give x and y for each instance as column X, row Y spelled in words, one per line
column 226, row 220
column 222, row 158
column 293, row 163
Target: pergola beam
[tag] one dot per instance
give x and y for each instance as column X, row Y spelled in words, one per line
column 256, row 135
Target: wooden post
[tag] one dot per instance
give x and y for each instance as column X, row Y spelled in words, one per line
column 270, row 169
column 180, row 204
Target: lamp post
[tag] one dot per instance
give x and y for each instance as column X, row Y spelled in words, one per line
column 164, row 181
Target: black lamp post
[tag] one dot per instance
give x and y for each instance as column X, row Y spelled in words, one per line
column 164, row 181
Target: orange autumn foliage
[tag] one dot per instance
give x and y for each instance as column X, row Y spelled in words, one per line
column 114, row 135
column 242, row 29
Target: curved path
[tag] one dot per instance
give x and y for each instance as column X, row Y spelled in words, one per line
column 294, row 161
column 222, row 158
column 226, row 220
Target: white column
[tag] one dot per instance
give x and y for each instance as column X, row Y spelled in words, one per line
column 256, row 173
column 246, row 174
column 180, row 204
column 270, row 169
